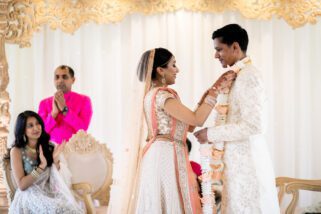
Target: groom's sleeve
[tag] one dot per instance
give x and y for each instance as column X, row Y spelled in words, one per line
column 250, row 99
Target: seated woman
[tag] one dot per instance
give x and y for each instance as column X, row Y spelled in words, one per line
column 34, row 162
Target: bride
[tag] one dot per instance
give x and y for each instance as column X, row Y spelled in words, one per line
column 166, row 183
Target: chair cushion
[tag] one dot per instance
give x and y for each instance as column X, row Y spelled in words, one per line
column 90, row 168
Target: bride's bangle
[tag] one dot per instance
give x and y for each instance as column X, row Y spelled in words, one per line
column 43, row 169
column 34, row 173
column 209, row 100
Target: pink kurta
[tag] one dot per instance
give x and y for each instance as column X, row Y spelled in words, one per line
column 64, row 126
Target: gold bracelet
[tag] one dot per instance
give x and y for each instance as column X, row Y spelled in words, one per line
column 39, row 170
column 42, row 169
column 210, row 100
column 34, row 173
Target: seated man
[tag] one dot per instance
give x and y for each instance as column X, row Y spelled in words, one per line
column 65, row 112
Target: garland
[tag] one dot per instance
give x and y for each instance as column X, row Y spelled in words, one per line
column 212, row 154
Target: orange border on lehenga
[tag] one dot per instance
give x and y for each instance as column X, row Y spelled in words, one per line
column 193, row 194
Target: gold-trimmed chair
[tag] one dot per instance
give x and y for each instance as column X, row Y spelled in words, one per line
column 11, row 186
column 10, row 182
column 91, row 165
column 292, row 186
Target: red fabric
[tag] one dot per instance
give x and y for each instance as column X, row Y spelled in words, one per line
column 196, row 168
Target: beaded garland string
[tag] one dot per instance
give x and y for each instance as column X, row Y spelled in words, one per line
column 212, row 153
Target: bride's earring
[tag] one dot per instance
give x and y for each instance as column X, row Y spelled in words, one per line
column 153, row 84
column 163, row 80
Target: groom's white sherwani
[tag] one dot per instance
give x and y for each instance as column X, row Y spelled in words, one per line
column 249, row 181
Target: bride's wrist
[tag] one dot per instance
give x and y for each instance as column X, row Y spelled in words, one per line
column 41, row 167
column 214, row 92
column 210, row 100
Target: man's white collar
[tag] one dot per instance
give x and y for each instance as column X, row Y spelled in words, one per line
column 239, row 65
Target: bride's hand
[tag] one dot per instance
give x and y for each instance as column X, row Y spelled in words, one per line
column 212, row 92
column 225, row 81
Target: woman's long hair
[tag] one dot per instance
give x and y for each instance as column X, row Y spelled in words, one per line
column 160, row 58
column 21, row 140
column 146, row 72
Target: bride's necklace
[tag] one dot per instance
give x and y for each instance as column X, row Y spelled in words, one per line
column 31, row 150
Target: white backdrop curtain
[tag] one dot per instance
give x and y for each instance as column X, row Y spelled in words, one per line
column 105, row 58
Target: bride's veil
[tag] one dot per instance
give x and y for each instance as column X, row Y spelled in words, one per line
column 123, row 196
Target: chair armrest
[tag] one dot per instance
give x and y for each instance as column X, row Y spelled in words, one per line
column 7, row 177
column 282, row 182
column 300, row 184
column 83, row 191
column 85, row 187
column 292, row 186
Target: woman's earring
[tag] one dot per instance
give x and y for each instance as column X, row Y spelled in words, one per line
column 153, row 85
column 163, row 80
column 24, row 138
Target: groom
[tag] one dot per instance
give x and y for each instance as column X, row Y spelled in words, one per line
column 249, row 182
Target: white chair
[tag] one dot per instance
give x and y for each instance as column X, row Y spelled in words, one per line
column 90, row 164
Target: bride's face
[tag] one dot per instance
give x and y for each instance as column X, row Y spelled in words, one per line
column 170, row 71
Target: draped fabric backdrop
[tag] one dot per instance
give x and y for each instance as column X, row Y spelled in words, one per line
column 105, row 58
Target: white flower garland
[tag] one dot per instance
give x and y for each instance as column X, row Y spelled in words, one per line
column 212, row 153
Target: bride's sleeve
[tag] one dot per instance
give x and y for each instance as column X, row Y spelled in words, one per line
column 162, row 96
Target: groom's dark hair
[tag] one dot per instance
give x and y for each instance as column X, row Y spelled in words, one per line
column 232, row 33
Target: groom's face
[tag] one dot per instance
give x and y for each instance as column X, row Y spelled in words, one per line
column 224, row 53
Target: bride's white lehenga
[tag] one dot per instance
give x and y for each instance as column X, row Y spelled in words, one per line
column 166, row 183
column 48, row 194
column 249, row 181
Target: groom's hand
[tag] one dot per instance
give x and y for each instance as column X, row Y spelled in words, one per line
column 201, row 136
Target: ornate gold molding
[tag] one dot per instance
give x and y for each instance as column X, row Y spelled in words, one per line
column 4, row 80
column 27, row 16
column 4, row 99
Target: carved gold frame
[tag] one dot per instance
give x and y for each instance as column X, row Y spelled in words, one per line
column 19, row 19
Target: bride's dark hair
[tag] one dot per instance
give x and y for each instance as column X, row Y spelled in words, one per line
column 161, row 59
